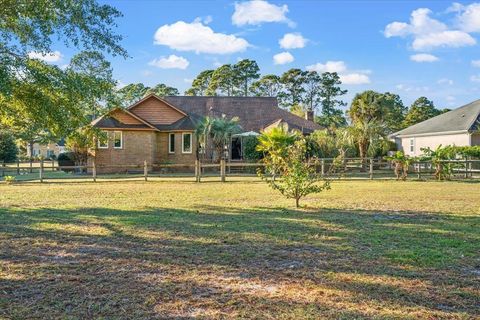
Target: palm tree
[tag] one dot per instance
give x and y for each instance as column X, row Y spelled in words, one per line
column 219, row 130
column 274, row 144
column 364, row 134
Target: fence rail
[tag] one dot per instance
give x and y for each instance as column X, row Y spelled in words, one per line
column 348, row 168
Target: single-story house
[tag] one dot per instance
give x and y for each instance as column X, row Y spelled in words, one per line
column 161, row 130
column 459, row 127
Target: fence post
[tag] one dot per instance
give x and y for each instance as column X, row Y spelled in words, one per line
column 470, row 168
column 94, row 169
column 419, row 176
column 197, row 170
column 466, row 168
column 41, row 171
column 222, row 170
column 31, row 165
column 3, row 168
column 145, row 170
column 322, row 167
column 53, row 165
column 18, row 167
column 371, row 168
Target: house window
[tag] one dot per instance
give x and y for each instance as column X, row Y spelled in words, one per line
column 186, row 143
column 117, row 140
column 171, row 143
column 412, row 145
column 103, row 141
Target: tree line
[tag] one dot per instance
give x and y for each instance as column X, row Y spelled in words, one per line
column 41, row 102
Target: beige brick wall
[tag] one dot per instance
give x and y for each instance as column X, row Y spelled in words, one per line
column 162, row 155
column 138, row 146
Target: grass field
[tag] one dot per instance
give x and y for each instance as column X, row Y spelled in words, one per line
column 126, row 250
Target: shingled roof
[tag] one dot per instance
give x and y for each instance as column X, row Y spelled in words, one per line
column 254, row 113
column 465, row 118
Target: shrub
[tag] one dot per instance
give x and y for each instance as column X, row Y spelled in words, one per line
column 8, row 147
column 297, row 174
column 250, row 152
column 66, row 159
column 9, row 179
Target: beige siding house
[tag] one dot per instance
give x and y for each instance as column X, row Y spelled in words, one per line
column 161, row 130
column 52, row 149
column 459, row 127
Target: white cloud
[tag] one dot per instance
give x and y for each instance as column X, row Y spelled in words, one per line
column 170, row 62
column 187, row 80
column 450, row 98
column 468, row 18
column 445, row 81
column 292, row 41
column 428, row 33
column 329, row 66
column 475, row 78
column 423, row 57
column 54, row 56
column 407, row 88
column 197, row 37
column 354, row 78
column 453, row 39
column 476, row 63
column 283, row 58
column 340, row 67
column 256, row 12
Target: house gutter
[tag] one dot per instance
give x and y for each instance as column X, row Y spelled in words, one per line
column 428, row 134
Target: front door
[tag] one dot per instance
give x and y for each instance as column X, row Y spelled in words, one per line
column 236, row 148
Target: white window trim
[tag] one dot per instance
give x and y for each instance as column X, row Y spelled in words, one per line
column 121, row 140
column 170, row 143
column 183, row 144
column 100, row 146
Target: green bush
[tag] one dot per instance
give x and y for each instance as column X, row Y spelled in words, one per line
column 9, row 179
column 250, row 152
column 66, row 160
column 8, row 147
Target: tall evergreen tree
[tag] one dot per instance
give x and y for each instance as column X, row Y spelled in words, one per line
column 422, row 109
column 200, row 84
column 267, row 86
column 245, row 72
column 293, row 82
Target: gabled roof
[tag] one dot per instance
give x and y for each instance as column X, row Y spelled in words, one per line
column 465, row 118
column 108, row 122
column 254, row 113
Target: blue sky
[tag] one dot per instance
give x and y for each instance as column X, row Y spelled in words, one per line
column 412, row 48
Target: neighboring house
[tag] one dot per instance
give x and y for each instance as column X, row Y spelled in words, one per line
column 458, row 127
column 46, row 150
column 161, row 130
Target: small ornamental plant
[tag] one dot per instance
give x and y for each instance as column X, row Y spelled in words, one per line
column 401, row 164
column 296, row 174
column 9, row 179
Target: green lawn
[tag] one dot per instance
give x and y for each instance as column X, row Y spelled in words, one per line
column 125, row 250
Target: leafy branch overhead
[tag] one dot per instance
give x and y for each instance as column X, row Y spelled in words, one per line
column 36, row 94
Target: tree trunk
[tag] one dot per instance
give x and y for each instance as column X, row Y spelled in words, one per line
column 297, row 202
column 362, row 151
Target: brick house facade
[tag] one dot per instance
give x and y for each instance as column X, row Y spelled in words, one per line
column 161, row 130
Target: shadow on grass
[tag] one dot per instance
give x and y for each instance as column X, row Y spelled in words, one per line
column 228, row 262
